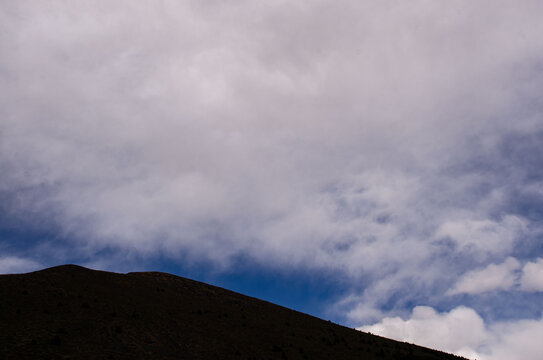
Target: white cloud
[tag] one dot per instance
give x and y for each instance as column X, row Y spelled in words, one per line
column 484, row 236
column 493, row 277
column 14, row 265
column 532, row 276
column 460, row 331
column 516, row 340
column 505, row 276
column 463, row 332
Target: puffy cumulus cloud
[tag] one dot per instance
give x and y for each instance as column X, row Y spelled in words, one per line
column 14, row 265
column 459, row 331
column 378, row 139
column 462, row 331
column 519, row 339
column 493, row 277
column 532, row 276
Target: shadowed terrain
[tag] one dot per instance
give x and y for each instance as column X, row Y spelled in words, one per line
column 70, row 312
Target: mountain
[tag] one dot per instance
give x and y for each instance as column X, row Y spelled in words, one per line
column 70, row 312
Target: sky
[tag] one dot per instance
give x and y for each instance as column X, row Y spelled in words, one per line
column 376, row 163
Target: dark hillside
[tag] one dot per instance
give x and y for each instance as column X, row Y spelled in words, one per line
column 70, row 312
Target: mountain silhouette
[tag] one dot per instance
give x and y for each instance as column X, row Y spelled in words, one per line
column 71, row 312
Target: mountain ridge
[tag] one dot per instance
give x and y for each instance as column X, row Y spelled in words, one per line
column 71, row 312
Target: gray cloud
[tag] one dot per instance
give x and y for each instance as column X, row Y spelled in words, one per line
column 374, row 139
column 13, row 265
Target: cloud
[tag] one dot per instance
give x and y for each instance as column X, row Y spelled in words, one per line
column 493, row 277
column 15, row 265
column 484, row 236
column 459, row 331
column 532, row 276
column 392, row 143
column 505, row 276
column 463, row 332
column 516, row 340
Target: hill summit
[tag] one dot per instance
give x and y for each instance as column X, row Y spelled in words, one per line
column 71, row 312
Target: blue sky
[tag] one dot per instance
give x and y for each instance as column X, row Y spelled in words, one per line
column 378, row 164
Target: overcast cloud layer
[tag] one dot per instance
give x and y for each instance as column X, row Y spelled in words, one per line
column 398, row 144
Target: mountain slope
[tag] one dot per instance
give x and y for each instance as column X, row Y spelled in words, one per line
column 70, row 312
